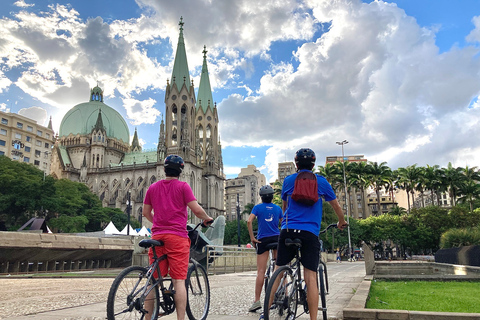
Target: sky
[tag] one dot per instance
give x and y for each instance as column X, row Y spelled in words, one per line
column 400, row 81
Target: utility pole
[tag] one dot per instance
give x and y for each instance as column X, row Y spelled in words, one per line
column 346, row 198
column 238, row 219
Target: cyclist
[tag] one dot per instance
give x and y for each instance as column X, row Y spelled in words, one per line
column 268, row 215
column 302, row 221
column 169, row 199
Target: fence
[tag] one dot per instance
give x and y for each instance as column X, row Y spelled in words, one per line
column 230, row 259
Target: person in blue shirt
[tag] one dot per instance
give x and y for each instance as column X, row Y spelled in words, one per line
column 301, row 221
column 269, row 215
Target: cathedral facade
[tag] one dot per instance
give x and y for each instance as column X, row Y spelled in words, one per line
column 93, row 145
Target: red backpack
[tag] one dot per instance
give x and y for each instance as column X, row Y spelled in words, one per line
column 305, row 189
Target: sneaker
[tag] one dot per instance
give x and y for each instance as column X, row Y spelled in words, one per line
column 255, row 306
column 261, row 317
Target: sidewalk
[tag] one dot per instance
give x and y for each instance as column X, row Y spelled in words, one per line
column 231, row 296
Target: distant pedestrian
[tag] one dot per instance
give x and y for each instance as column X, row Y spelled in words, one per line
column 338, row 257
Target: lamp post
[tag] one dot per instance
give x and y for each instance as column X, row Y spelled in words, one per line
column 208, row 209
column 342, row 143
column 238, row 219
column 129, row 206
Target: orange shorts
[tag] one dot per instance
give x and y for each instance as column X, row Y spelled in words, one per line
column 177, row 250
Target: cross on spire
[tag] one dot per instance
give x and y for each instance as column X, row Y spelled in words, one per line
column 181, row 23
column 204, row 51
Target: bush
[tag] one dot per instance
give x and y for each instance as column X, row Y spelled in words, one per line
column 460, row 237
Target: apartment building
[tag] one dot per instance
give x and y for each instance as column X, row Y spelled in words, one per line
column 244, row 190
column 23, row 139
column 285, row 169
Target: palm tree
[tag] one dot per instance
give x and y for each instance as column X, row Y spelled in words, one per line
column 408, row 179
column 470, row 191
column 359, row 177
column 379, row 174
column 453, row 178
column 420, row 184
column 397, row 211
column 431, row 176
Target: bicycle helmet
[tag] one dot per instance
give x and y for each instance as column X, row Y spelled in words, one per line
column 174, row 162
column 266, row 191
column 305, row 158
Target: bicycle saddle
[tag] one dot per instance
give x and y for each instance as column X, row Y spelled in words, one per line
column 293, row 243
column 147, row 243
column 271, row 246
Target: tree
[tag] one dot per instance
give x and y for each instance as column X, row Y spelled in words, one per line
column 231, row 233
column 379, row 174
column 470, row 191
column 397, row 211
column 453, row 178
column 407, row 180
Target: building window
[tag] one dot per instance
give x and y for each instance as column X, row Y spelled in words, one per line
column 38, row 143
column 27, row 149
column 4, row 121
column 2, row 153
column 37, row 153
column 29, row 129
column 37, row 163
column 47, row 145
column 47, row 135
column 39, row 133
column 16, row 146
column 19, row 125
column 2, row 143
column 26, row 159
column 18, row 136
column 3, row 132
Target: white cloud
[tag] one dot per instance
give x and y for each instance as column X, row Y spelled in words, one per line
column 36, row 113
column 141, row 111
column 474, row 36
column 3, row 107
column 231, row 170
column 22, row 4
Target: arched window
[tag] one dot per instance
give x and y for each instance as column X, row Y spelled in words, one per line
column 200, row 131
column 209, row 131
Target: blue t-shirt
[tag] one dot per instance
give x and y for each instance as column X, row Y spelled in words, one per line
column 300, row 216
column 268, row 215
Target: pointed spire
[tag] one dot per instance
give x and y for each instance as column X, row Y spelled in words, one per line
column 50, row 124
column 135, row 144
column 180, row 66
column 204, row 98
column 99, row 124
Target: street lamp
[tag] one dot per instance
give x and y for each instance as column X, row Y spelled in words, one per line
column 208, row 209
column 238, row 219
column 346, row 197
column 129, row 206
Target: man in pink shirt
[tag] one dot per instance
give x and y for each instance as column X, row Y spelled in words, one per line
column 169, row 200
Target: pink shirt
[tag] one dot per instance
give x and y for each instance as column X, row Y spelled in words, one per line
column 169, row 199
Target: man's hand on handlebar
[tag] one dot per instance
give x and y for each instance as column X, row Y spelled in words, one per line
column 342, row 224
column 207, row 222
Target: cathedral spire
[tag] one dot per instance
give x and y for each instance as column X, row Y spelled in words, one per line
column 135, row 144
column 180, row 74
column 204, row 98
column 50, row 124
column 99, row 123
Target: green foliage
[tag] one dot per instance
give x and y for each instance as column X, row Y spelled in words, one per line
column 69, row 224
column 231, row 233
column 460, row 237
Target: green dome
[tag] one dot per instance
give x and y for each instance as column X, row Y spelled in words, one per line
column 82, row 118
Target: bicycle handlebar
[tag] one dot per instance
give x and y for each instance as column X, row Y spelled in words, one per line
column 333, row 225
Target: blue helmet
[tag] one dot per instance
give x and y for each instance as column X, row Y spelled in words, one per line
column 174, row 162
column 305, row 158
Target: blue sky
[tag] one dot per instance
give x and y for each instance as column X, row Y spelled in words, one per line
column 399, row 80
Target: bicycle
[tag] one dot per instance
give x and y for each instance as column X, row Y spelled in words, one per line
column 323, row 279
column 271, row 265
column 135, row 287
column 282, row 301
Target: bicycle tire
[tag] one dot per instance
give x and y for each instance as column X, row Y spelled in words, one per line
column 124, row 300
column 284, row 297
column 322, row 292
column 198, row 292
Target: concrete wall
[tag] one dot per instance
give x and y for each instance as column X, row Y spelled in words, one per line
column 33, row 252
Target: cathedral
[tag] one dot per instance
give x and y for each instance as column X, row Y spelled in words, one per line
column 93, row 145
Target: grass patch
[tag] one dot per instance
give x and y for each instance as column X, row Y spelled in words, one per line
column 425, row 296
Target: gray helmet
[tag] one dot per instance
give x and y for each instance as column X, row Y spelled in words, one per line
column 266, row 191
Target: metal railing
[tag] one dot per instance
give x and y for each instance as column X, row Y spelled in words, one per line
column 230, row 259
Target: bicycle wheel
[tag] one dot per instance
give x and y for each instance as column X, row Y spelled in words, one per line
column 125, row 299
column 198, row 293
column 281, row 297
column 322, row 291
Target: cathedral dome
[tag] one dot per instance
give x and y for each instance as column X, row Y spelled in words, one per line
column 82, row 118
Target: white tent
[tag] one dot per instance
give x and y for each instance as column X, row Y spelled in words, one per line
column 111, row 229
column 144, row 232
column 132, row 231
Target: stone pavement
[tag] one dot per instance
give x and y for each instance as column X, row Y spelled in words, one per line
column 85, row 298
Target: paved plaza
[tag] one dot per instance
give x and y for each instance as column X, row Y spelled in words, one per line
column 85, row 298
